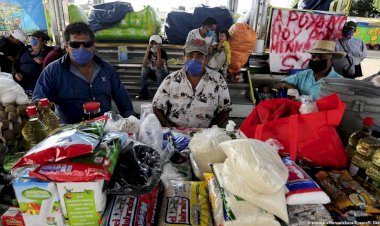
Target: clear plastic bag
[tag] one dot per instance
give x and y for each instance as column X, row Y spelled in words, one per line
column 308, row 105
column 204, row 150
column 117, row 123
column 151, row 132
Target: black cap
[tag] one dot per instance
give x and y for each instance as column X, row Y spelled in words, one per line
column 350, row 24
column 41, row 34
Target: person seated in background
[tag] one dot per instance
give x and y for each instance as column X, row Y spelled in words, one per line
column 206, row 33
column 11, row 48
column 224, row 45
column 356, row 50
column 55, row 54
column 308, row 81
column 193, row 96
column 265, row 92
column 154, row 65
column 80, row 77
column 29, row 67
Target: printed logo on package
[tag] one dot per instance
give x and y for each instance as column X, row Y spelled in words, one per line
column 178, row 210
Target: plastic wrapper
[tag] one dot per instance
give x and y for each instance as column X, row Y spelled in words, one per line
column 180, row 140
column 132, row 210
column 98, row 165
column 302, row 189
column 69, row 142
column 151, row 132
column 138, row 170
column 204, row 149
column 176, row 165
column 231, row 210
column 185, row 203
column 344, row 191
column 117, row 123
column 300, row 215
column 308, row 105
column 254, row 171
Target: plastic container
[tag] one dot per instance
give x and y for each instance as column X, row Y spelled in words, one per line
column 49, row 118
column 91, row 110
column 34, row 131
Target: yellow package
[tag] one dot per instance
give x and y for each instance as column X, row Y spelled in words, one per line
column 185, row 203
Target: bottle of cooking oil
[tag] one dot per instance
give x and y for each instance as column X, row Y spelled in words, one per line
column 362, row 158
column 49, row 118
column 365, row 131
column 34, row 131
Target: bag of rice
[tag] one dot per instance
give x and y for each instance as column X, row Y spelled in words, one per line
column 257, row 162
column 230, row 210
column 302, row 189
column 185, row 203
column 204, row 149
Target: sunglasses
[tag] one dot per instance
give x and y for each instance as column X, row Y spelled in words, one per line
column 86, row 44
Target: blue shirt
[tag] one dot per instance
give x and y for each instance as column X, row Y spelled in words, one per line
column 306, row 83
column 70, row 90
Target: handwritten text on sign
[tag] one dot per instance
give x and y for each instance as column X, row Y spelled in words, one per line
column 293, row 32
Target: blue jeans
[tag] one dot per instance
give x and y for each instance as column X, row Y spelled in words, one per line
column 147, row 72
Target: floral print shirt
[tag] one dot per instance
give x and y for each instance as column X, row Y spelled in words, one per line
column 193, row 108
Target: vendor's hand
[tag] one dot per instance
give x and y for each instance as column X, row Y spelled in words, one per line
column 279, row 85
column 38, row 60
column 18, row 77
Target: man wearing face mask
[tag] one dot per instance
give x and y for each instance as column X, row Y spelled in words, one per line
column 154, row 65
column 308, row 81
column 207, row 33
column 79, row 77
column 356, row 50
column 194, row 96
column 29, row 66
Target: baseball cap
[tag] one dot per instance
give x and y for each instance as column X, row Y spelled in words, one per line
column 196, row 45
column 155, row 38
column 19, row 35
column 350, row 24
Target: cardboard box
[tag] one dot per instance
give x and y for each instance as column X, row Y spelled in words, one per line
column 82, row 203
column 38, row 201
column 12, row 217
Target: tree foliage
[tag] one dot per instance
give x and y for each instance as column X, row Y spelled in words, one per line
column 365, row 8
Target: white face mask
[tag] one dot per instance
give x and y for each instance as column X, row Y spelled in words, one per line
column 154, row 49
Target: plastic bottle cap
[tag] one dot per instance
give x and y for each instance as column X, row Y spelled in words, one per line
column 31, row 111
column 44, row 102
column 368, row 121
column 91, row 106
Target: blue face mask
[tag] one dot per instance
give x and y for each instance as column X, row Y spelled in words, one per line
column 82, row 56
column 33, row 41
column 194, row 67
column 210, row 33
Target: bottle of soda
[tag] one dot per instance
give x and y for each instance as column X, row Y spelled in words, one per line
column 34, row 131
column 49, row 118
column 365, row 131
column 91, row 110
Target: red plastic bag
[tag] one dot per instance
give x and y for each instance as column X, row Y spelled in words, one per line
column 310, row 136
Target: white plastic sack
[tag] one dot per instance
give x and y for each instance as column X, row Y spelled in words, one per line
column 258, row 162
column 308, row 105
column 230, row 210
column 237, row 184
column 204, row 149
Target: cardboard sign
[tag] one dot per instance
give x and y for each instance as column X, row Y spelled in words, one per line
column 292, row 32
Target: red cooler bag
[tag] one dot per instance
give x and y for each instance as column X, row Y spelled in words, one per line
column 312, row 137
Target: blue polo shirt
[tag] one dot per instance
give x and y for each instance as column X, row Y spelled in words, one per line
column 62, row 84
column 306, row 83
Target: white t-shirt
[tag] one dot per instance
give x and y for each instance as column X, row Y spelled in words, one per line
column 194, row 34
